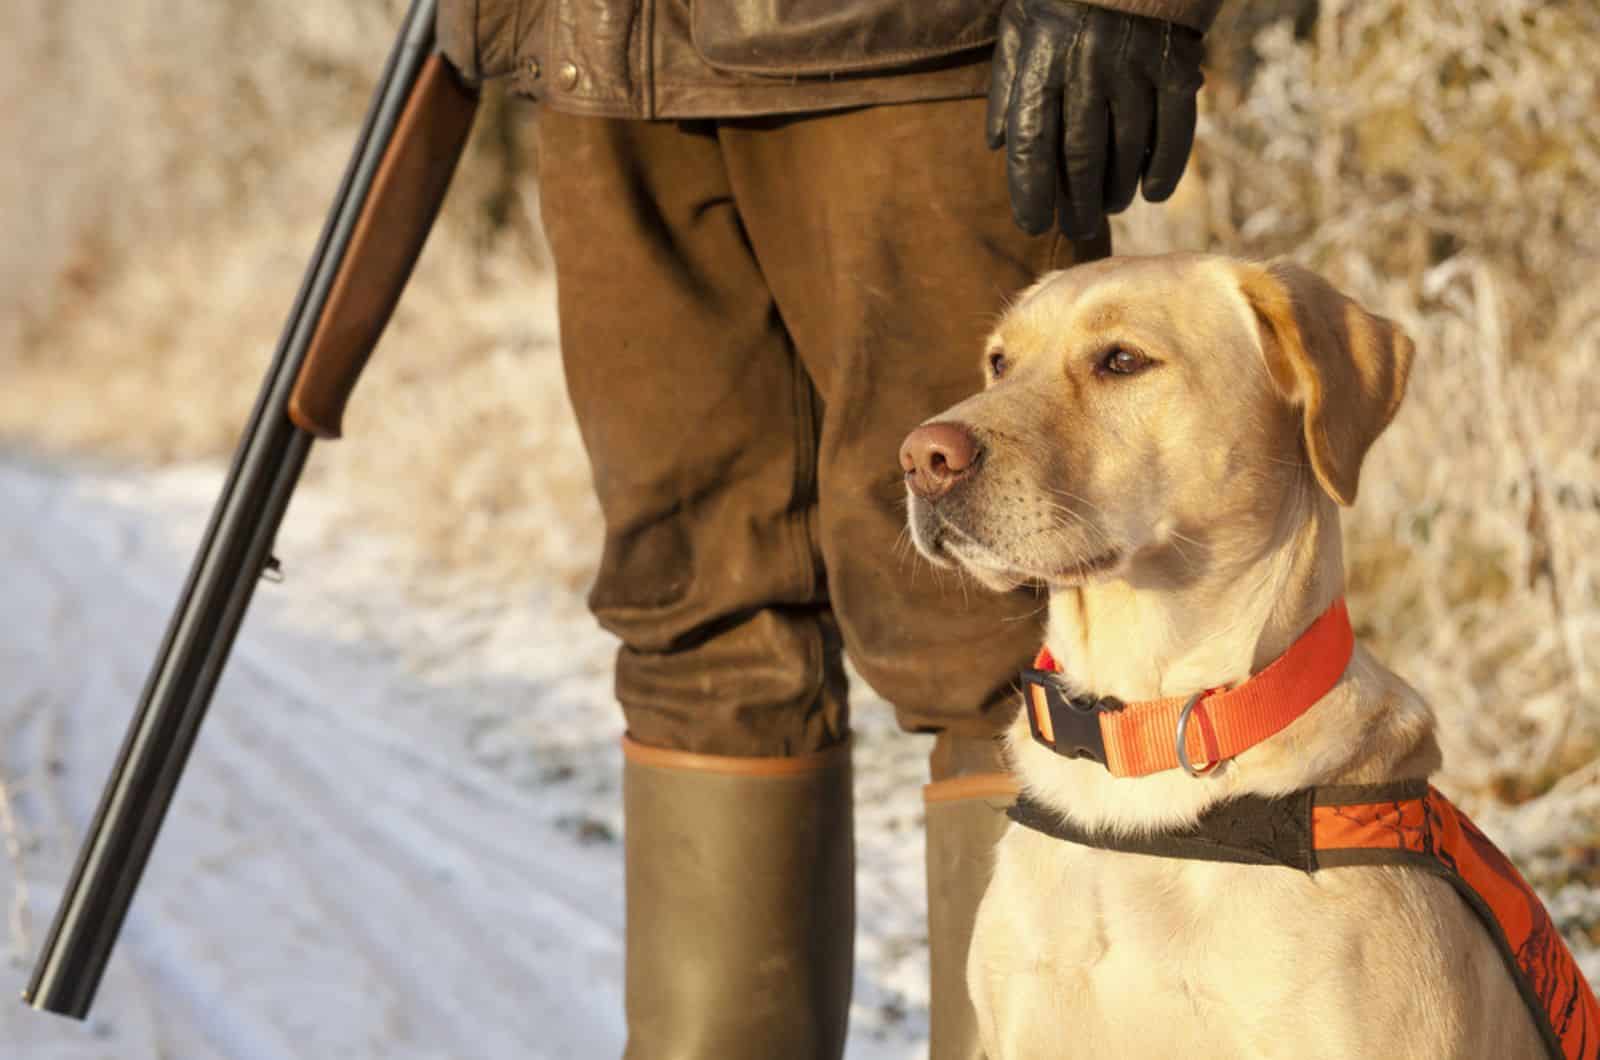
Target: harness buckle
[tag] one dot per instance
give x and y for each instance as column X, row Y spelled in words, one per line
column 1068, row 725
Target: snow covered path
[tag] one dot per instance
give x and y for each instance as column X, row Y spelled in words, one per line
column 397, row 833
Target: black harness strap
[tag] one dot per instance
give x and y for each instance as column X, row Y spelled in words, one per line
column 1248, row 830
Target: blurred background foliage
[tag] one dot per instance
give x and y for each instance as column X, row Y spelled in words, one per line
column 165, row 168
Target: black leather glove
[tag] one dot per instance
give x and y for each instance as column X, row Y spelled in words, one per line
column 1087, row 100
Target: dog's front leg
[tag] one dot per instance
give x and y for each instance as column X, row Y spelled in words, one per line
column 980, row 979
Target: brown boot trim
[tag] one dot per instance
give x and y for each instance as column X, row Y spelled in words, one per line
column 974, row 786
column 727, row 765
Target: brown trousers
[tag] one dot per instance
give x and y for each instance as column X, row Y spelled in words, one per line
column 753, row 315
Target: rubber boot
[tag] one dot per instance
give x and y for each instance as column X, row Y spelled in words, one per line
column 740, row 904
column 965, row 809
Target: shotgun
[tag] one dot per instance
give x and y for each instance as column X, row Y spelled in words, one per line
column 414, row 132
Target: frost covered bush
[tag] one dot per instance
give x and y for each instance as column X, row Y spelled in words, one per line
column 1440, row 159
column 171, row 199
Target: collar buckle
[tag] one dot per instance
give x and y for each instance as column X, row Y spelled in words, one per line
column 1181, row 743
column 1068, row 725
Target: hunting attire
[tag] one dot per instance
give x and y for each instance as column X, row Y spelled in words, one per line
column 740, row 58
column 758, row 299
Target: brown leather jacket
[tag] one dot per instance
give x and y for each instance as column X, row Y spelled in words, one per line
column 731, row 58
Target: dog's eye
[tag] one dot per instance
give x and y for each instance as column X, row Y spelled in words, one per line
column 1119, row 360
column 997, row 364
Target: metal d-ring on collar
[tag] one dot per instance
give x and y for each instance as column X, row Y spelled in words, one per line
column 1183, row 739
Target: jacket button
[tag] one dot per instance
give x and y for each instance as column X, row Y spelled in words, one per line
column 569, row 75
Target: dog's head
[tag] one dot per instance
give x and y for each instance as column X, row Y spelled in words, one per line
column 1150, row 418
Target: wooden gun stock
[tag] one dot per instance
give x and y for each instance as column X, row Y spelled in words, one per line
column 406, row 193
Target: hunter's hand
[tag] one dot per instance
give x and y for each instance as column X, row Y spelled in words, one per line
column 1087, row 100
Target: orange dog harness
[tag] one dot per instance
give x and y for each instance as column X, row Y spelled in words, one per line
column 1408, row 823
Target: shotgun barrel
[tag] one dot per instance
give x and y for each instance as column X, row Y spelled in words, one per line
column 414, row 132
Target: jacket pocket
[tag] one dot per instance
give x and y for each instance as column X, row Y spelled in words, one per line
column 479, row 37
column 816, row 38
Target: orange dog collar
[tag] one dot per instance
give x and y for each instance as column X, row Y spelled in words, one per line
column 1193, row 732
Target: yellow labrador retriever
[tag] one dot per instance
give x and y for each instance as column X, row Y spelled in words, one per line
column 1164, row 443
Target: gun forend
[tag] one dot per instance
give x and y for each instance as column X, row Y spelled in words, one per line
column 407, row 189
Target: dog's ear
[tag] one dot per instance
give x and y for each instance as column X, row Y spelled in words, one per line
column 1344, row 368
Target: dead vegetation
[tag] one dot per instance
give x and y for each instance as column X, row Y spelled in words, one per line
column 1440, row 159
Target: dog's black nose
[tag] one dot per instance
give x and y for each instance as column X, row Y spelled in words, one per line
column 935, row 456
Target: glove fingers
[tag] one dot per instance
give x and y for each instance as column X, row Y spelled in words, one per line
column 1032, row 118
column 1132, row 119
column 1174, row 136
column 1002, row 76
column 1084, row 141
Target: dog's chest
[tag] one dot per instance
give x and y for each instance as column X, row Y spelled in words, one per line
column 1173, row 919
column 1146, row 956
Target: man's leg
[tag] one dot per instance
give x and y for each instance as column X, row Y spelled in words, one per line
column 700, row 425
column 886, row 236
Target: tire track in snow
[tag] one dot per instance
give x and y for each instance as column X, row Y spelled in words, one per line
column 34, row 729
column 356, row 832
column 273, row 763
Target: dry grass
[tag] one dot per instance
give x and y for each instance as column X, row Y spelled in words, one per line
column 180, row 192
column 1438, row 158
column 1441, row 160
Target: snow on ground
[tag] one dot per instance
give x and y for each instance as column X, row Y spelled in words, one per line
column 398, row 833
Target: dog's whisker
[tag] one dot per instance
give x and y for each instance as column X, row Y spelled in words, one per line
column 1075, row 497
column 1178, row 539
column 1030, row 615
